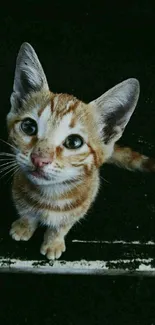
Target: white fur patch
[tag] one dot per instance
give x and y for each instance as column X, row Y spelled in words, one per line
column 42, row 122
column 71, row 102
column 63, row 130
column 58, row 189
column 54, row 219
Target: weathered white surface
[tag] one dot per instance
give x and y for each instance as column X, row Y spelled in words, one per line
column 76, row 267
column 135, row 242
column 120, row 265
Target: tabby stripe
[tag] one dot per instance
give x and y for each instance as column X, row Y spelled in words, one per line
column 42, row 206
column 68, row 110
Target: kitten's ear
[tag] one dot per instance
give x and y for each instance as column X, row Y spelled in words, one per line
column 115, row 108
column 29, row 75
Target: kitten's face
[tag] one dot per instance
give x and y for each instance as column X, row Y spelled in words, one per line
column 60, row 130
column 57, row 137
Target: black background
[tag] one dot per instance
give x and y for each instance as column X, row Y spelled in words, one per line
column 85, row 48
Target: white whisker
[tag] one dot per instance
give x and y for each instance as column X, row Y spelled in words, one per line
column 7, row 154
column 7, row 163
column 8, row 144
column 16, row 171
column 7, row 159
column 8, row 167
column 105, row 180
column 8, row 171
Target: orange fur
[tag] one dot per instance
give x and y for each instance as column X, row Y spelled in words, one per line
column 61, row 191
column 127, row 158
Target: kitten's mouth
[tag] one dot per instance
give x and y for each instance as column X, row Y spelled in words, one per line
column 39, row 174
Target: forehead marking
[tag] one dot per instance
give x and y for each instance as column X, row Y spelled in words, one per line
column 66, row 107
column 52, row 104
column 70, row 103
column 39, row 110
column 72, row 106
column 43, row 120
column 63, row 129
column 73, row 122
column 55, row 102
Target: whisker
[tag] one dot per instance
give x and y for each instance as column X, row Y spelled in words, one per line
column 8, row 171
column 7, row 154
column 23, row 160
column 7, row 163
column 7, row 167
column 105, row 180
column 8, row 144
column 16, row 171
column 7, row 159
column 70, row 190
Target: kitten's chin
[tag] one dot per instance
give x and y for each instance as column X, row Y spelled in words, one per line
column 41, row 178
column 37, row 179
column 44, row 180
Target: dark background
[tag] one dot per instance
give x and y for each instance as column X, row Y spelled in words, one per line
column 85, row 48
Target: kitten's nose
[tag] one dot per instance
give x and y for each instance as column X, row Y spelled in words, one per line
column 40, row 161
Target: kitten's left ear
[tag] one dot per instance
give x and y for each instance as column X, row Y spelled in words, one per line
column 29, row 75
column 115, row 108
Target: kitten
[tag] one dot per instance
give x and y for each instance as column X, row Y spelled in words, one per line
column 59, row 143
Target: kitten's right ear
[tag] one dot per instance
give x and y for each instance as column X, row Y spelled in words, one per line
column 29, row 75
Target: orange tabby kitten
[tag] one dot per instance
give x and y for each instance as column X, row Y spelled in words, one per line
column 59, row 143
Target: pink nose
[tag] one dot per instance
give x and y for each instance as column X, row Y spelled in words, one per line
column 40, row 161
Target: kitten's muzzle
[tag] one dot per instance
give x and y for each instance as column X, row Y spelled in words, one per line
column 39, row 161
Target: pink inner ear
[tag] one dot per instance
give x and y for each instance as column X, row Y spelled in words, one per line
column 39, row 161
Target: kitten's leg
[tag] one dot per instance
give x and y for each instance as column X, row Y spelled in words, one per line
column 54, row 242
column 23, row 228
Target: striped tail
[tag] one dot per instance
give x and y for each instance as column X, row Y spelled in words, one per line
column 127, row 158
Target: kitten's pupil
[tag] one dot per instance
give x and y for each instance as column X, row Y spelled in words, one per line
column 73, row 141
column 29, row 126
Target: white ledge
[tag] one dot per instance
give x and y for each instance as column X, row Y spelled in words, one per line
column 78, row 267
column 135, row 242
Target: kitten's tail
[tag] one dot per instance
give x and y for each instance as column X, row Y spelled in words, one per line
column 127, row 158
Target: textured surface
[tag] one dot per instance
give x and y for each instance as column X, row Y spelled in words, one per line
column 86, row 49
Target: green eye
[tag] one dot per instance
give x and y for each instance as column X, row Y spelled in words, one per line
column 73, row 141
column 29, row 126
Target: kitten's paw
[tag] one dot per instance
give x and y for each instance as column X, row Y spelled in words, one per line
column 53, row 249
column 22, row 229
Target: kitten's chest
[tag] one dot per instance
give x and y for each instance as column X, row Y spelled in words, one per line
column 55, row 205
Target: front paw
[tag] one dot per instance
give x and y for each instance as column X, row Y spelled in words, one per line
column 22, row 229
column 53, row 249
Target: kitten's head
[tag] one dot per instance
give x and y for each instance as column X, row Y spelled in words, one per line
column 57, row 137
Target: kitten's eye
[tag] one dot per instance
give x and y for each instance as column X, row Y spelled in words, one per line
column 29, row 126
column 73, row 141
